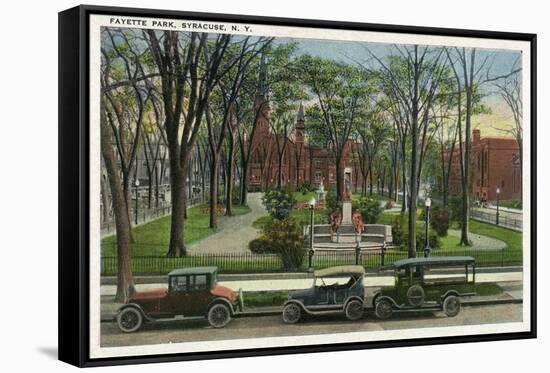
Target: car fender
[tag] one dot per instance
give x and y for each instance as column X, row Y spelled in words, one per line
column 352, row 298
column 299, row 303
column 380, row 297
column 224, row 301
column 134, row 305
column 375, row 295
column 457, row 294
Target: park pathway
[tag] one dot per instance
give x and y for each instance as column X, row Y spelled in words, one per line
column 481, row 242
column 233, row 233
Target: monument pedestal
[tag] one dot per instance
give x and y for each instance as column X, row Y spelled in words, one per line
column 346, row 212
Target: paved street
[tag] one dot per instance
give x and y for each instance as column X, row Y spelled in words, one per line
column 272, row 326
column 234, row 232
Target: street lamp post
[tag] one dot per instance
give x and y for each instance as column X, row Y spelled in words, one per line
column 136, row 184
column 311, row 220
column 427, row 246
column 498, row 200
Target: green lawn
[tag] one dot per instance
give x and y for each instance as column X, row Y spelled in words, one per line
column 512, row 203
column 450, row 245
column 300, row 197
column 152, row 238
column 375, row 196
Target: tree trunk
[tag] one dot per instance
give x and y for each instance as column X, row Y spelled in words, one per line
column 339, row 180
column 229, row 179
column 213, row 223
column 177, row 181
column 244, row 183
column 125, row 281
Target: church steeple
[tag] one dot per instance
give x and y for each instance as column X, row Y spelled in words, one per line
column 300, row 125
column 263, row 89
column 301, row 116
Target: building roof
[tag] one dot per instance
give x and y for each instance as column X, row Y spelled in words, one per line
column 340, row 270
column 432, row 261
column 301, row 115
column 193, row 271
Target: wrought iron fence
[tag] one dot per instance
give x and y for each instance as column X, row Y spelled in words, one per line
column 263, row 263
column 504, row 220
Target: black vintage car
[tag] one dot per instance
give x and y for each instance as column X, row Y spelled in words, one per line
column 427, row 284
column 335, row 290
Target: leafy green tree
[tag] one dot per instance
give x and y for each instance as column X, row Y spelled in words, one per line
column 340, row 92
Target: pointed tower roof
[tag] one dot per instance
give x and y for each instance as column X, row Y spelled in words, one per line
column 301, row 115
column 263, row 89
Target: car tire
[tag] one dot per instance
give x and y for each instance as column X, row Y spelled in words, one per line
column 292, row 313
column 129, row 319
column 416, row 295
column 383, row 309
column 219, row 315
column 451, row 306
column 354, row 310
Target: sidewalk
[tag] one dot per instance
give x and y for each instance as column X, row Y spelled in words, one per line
column 277, row 283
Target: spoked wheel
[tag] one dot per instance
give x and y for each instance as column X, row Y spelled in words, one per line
column 415, row 295
column 451, row 306
column 292, row 313
column 219, row 315
column 383, row 309
column 354, row 310
column 129, row 320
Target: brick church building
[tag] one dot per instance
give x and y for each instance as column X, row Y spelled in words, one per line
column 495, row 163
column 301, row 162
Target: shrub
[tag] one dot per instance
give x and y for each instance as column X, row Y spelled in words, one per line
column 370, row 209
column 285, row 238
column 455, row 209
column 278, row 203
column 260, row 245
column 398, row 227
column 400, row 234
column 305, row 187
column 439, row 221
column 389, row 204
column 435, row 241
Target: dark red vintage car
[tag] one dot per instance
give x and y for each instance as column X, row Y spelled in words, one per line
column 193, row 293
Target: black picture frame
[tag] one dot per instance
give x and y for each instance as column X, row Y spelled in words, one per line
column 74, row 191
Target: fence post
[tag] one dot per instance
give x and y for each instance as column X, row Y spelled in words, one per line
column 382, row 256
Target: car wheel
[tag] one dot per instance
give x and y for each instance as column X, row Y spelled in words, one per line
column 451, row 306
column 292, row 313
column 415, row 295
column 129, row 319
column 354, row 310
column 219, row 315
column 383, row 309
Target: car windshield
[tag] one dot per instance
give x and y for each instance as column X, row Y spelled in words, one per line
column 333, row 281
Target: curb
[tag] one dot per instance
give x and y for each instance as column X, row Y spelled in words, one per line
column 272, row 312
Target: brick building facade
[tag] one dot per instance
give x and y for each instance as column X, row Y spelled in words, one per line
column 300, row 162
column 494, row 163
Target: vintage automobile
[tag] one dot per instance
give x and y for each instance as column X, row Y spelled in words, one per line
column 335, row 290
column 427, row 284
column 193, row 293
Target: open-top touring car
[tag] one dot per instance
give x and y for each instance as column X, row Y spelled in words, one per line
column 334, row 290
